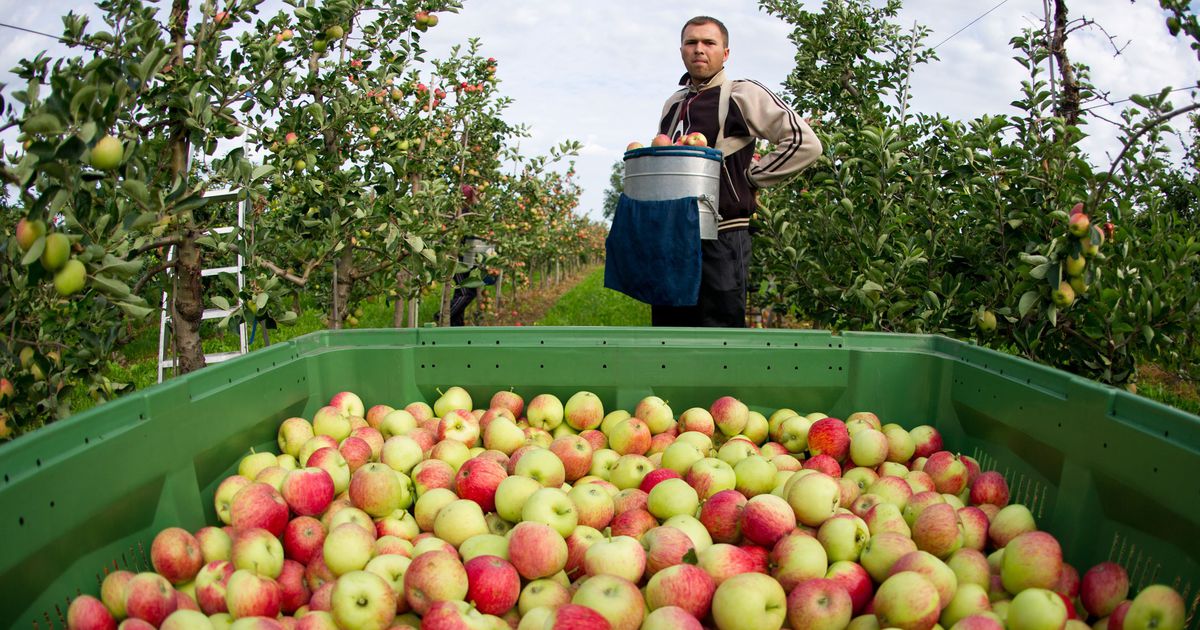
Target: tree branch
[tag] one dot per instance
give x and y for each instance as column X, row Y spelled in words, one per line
column 1101, row 186
column 152, row 245
column 137, row 288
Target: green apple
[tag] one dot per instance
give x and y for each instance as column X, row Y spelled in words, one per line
column 907, row 600
column 429, row 504
column 680, row 456
column 545, row 411
column 814, row 498
column 107, row 153
column 551, row 506
column 622, row 556
column 1158, row 607
column 484, row 545
column 71, row 278
column 459, row 520
column 363, row 600
column 755, row 475
column 541, row 465
column 583, row 411
column 672, row 497
column 57, row 251
column 618, row 600
column 694, row 529
column 453, row 398
column 629, row 470
column 749, row 601
column 1038, row 609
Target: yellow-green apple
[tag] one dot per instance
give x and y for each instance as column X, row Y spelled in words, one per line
column 503, row 435
column 892, row 490
column 248, row 594
column 1064, row 295
column 680, row 456
column 775, row 421
column 798, row 557
column 489, row 544
column 460, row 425
column 749, row 600
column 420, row 410
column 114, row 590
column 1036, row 609
column 458, row 521
column 541, row 465
column 88, row 613
column 843, row 536
column 545, row 411
column 829, row 436
column 697, row 419
column 187, row 619
column 721, row 515
column 1157, row 606
column 855, row 579
column 602, row 462
column 302, row 538
column 622, row 556
column 736, row 449
column 901, row 445
column 863, row 418
column 757, row 428
column 695, row 139
column 551, row 506
column 366, row 435
column 635, row 522
column 629, row 471
column 583, row 411
column 634, row 145
column 694, row 529
column 453, row 398
column 493, row 584
column 907, row 600
column 968, row 599
column 543, row 593
column 331, row 461
column 671, row 497
column 864, row 478
column 937, row 530
column 348, row 403
column 1103, row 587
column 347, row 547
column 729, row 414
column 175, row 554
column 702, row 442
column 819, row 604
column 616, row 599
column 612, row 418
column 868, row 447
column 509, row 400
column 314, row 444
column 709, row 476
column 511, row 494
column 919, row 502
column 376, row 414
column 979, row 621
column 259, row 551
column 432, row 543
column 882, row 551
column 57, row 251
column 1031, row 560
column 575, row 454
column 364, row 600
column 400, row 524
column 926, row 439
column 215, row 543
column 630, row 436
column 434, row 576
column 595, row 438
column 948, row 472
column 896, row 469
column 330, row 420
column 258, row 505
column 254, row 463
column 307, row 491
column 396, row 422
column 477, row 480
column 536, row 550
column 593, row 505
column 814, row 498
column 431, row 474
column 754, row 474
column 793, row 433
column 850, row 492
column 341, row 511
column 149, row 597
column 428, row 504
column 491, row 414
column 771, row 450
column 671, row 618
column 765, row 519
column 656, row 413
column 211, row 584
column 970, row 566
column 293, row 433
column 401, row 453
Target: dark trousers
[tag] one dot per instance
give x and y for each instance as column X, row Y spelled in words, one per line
column 461, row 299
column 724, row 267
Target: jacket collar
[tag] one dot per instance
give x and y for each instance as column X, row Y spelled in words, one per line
column 714, row 81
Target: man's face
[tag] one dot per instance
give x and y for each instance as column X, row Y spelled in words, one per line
column 703, row 50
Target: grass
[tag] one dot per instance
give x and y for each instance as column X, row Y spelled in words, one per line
column 1168, row 388
column 590, row 304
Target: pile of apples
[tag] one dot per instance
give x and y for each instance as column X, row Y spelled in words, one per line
column 556, row 516
column 694, row 139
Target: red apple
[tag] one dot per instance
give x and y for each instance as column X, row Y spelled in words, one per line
column 88, row 613
column 259, row 506
column 150, row 597
column 175, row 554
column 477, row 480
column 303, row 538
column 493, row 584
column 307, row 491
column 990, row 487
column 829, row 436
column 819, row 604
column 1103, row 587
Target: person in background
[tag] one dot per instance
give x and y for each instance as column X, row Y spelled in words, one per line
column 463, row 296
column 752, row 112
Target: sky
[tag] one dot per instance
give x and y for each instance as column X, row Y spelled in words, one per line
column 598, row 72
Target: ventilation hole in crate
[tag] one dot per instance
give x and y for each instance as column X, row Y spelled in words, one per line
column 21, row 521
column 1060, row 425
column 432, row 365
column 795, row 367
column 839, row 368
column 604, row 342
column 664, row 366
column 768, row 368
column 497, row 342
column 38, row 461
column 724, row 343
column 433, row 343
column 5, row 477
column 542, row 365
column 724, row 367
column 542, row 342
column 468, row 342
column 1156, row 469
column 468, row 366
column 1105, row 445
column 497, row 366
column 52, row 503
column 422, row 366
column 604, row 366
column 663, row 343
column 768, row 344
column 796, row 345
column 1166, row 434
column 86, row 441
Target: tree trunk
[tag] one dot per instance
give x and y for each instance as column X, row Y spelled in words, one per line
column 398, row 311
column 187, row 306
column 1067, row 106
column 343, row 281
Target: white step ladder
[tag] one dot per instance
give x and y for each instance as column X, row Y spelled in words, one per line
column 165, row 363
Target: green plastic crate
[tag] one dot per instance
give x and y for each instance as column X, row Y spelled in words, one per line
column 1113, row 476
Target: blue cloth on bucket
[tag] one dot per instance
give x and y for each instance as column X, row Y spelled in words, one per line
column 652, row 253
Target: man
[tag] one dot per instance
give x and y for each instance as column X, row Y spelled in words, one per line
column 752, row 112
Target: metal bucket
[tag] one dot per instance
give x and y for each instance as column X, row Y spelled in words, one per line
column 673, row 172
column 475, row 250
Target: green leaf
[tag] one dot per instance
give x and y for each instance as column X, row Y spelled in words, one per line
column 261, row 171
column 115, row 288
column 260, row 300
column 1039, row 272
column 35, row 251
column 137, row 190
column 135, row 311
column 1148, row 333
column 42, row 124
column 1028, row 299
column 220, row 302
column 1052, row 314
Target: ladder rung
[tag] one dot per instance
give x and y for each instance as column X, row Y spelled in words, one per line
column 216, row 357
column 223, row 230
column 218, row 270
column 215, row 313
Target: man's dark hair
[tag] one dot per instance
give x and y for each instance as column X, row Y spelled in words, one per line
column 701, row 20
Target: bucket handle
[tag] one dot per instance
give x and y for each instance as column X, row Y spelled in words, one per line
column 711, row 202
